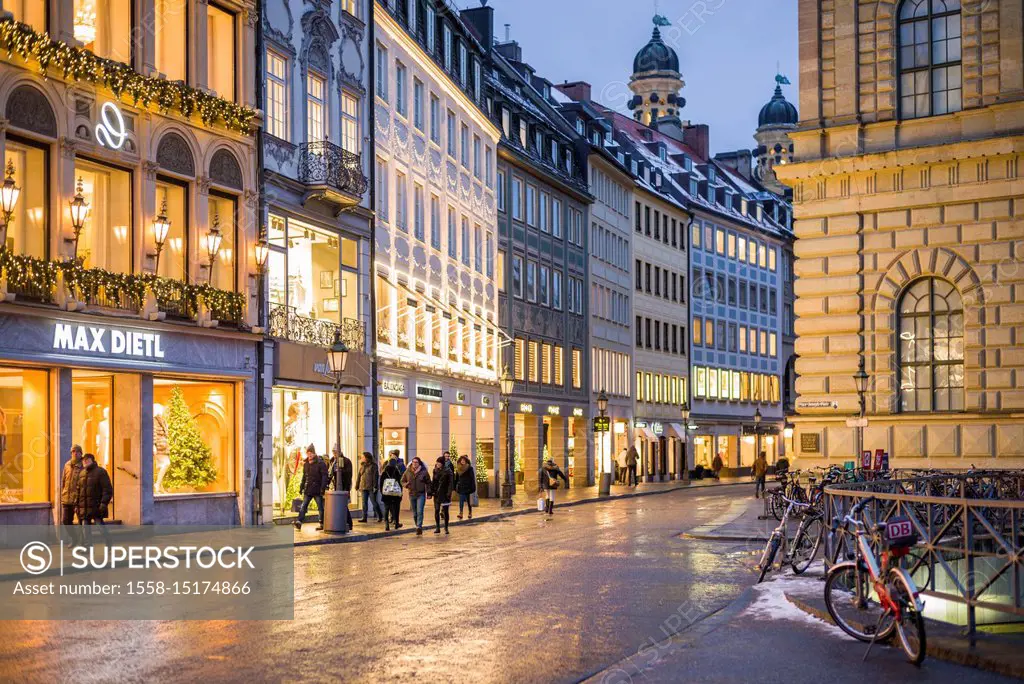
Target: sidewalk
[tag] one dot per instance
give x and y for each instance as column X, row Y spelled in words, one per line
column 490, row 509
column 740, row 522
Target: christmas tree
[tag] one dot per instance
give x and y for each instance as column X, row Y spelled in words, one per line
column 191, row 459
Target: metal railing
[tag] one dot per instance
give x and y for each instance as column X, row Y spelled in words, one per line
column 324, row 163
column 287, row 324
column 971, row 529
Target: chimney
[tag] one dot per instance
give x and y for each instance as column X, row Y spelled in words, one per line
column 510, row 50
column 698, row 138
column 481, row 22
column 578, row 91
column 669, row 125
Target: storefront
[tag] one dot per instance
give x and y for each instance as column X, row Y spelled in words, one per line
column 543, row 431
column 166, row 412
column 660, row 447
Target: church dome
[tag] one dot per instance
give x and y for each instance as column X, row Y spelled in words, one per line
column 655, row 56
column 778, row 111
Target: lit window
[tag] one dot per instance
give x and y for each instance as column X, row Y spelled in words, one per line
column 351, row 6
column 545, row 364
column 720, row 241
column 31, row 12
column 559, row 367
column 316, row 130
column 277, row 95
column 28, row 232
column 184, row 410
column 732, row 246
column 170, row 29
column 103, row 26
column 772, row 344
column 534, row 362
column 350, row 123
column 174, row 255
column 771, row 259
column 519, row 362
column 223, row 212
column 929, row 58
column 220, row 51
column 930, row 332
column 577, row 369
column 698, row 329
column 25, row 426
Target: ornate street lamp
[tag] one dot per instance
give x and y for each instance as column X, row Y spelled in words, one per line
column 9, row 194
column 213, row 241
column 79, row 214
column 757, row 433
column 161, row 228
column 261, row 251
column 605, row 483
column 860, row 380
column 684, row 412
column 337, row 360
column 506, row 384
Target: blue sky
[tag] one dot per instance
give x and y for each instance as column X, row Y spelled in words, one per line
column 728, row 50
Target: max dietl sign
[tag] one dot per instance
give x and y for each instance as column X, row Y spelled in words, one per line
column 107, row 341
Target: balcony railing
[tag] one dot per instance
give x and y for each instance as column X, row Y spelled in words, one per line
column 286, row 324
column 328, row 167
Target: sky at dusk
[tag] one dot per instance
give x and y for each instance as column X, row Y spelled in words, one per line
column 728, row 51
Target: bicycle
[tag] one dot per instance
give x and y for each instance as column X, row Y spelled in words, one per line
column 800, row 554
column 881, row 599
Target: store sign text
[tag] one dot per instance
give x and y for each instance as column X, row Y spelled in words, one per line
column 392, row 386
column 81, row 338
column 110, row 130
column 430, row 392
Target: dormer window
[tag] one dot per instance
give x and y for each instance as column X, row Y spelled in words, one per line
column 744, row 206
column 538, row 142
column 580, row 128
column 662, row 152
column 554, row 151
column 522, row 133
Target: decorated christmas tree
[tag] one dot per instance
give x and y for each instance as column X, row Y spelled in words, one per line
column 191, row 459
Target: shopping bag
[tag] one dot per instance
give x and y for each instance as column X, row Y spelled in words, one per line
column 540, row 504
column 474, row 499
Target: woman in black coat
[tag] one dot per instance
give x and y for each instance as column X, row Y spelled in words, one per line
column 442, row 485
column 549, row 475
column 465, row 485
column 393, row 500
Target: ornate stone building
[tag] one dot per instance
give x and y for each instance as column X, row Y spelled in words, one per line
column 909, row 199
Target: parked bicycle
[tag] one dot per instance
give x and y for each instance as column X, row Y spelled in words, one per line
column 869, row 601
column 800, row 553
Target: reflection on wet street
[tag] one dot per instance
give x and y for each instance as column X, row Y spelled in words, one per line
column 523, row 599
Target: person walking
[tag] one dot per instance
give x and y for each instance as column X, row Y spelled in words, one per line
column 367, row 482
column 69, row 493
column 631, row 458
column 95, row 492
column 341, row 477
column 716, row 465
column 447, row 456
column 391, row 491
column 417, row 481
column 441, row 489
column 760, row 472
column 620, row 466
column 465, row 485
column 549, row 475
column 314, row 483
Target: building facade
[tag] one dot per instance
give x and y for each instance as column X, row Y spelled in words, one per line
column 127, row 271
column 909, row 194
column 435, row 265
column 316, row 213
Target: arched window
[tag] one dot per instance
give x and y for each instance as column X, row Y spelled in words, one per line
column 929, row 58
column 931, row 347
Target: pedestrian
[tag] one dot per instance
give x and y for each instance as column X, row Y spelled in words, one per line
column 760, row 471
column 716, row 465
column 69, row 493
column 782, row 465
column 94, row 496
column 367, row 482
column 314, row 483
column 465, row 485
column 447, row 456
column 549, row 475
column 631, row 458
column 441, row 489
column 341, row 477
column 620, row 466
column 391, row 491
column 417, row 481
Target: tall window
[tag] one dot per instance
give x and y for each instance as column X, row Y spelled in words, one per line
column 418, row 211
column 929, row 58
column 382, row 72
column 350, row 123
column 28, row 232
column 453, row 238
column 172, row 201
column 316, row 130
column 220, row 51
column 435, row 222
column 401, row 200
column 417, row 103
column 931, row 342
column 103, row 26
column 31, row 12
column 435, row 119
column 465, row 241
column 170, row 28
column 400, row 86
column 277, row 95
column 383, row 197
column 106, row 239
column 451, row 133
column 223, row 212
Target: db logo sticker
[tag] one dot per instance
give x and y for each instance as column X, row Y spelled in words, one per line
column 36, row 558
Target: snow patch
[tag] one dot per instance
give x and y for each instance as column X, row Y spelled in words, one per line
column 770, row 602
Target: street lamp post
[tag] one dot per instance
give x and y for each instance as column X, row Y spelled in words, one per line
column 337, row 359
column 161, row 228
column 507, row 384
column 685, row 413
column 213, row 242
column 605, row 484
column 757, row 434
column 860, row 379
column 79, row 213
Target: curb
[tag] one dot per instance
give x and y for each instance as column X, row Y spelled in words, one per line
column 939, row 646
column 490, row 517
column 759, row 538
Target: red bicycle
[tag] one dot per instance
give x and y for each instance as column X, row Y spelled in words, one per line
column 869, row 601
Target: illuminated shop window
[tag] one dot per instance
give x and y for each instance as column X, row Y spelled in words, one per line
column 24, row 431
column 106, row 237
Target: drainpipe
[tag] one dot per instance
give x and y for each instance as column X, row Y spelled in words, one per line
column 689, row 348
column 372, row 170
column 257, row 497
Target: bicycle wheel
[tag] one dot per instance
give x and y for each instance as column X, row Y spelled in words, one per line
column 910, row 626
column 776, row 504
column 805, row 546
column 768, row 557
column 853, row 604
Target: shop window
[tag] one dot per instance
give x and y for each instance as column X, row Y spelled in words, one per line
column 313, row 285
column 170, row 27
column 24, row 443
column 104, row 27
column 223, row 213
column 31, row 12
column 172, row 202
column 193, row 436
column 106, row 237
column 29, row 230
column 220, row 51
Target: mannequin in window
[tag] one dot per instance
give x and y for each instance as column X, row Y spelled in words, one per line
column 89, row 427
column 103, row 438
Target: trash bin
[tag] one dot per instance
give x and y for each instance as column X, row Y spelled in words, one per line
column 335, row 515
column 605, row 485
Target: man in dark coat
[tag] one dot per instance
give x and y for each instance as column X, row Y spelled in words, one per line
column 315, row 480
column 341, row 476
column 94, row 496
column 69, row 493
column 631, row 458
column 441, row 489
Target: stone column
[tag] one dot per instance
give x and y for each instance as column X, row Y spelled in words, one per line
column 147, row 509
column 558, row 442
column 583, row 452
column 64, row 437
column 533, row 451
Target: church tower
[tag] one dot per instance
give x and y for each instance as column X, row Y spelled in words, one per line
column 656, row 80
column 778, row 118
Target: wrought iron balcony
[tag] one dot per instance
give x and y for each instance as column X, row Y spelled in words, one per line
column 332, row 173
column 286, row 324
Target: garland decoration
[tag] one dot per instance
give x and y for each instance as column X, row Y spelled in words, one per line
column 79, row 64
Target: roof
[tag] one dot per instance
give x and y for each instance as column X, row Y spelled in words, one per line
column 655, row 56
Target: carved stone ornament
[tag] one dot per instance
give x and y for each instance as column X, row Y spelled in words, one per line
column 28, row 109
column 150, row 168
column 225, row 170
column 279, row 150
column 203, row 185
column 173, row 154
column 67, row 148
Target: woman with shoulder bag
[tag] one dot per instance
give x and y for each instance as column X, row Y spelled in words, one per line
column 441, row 487
column 549, row 475
column 417, row 481
column 391, row 492
column 465, row 485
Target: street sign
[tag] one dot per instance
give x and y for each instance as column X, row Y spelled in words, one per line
column 602, row 424
column 857, row 422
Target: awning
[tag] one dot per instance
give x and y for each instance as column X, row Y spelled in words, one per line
column 678, row 430
column 647, row 432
